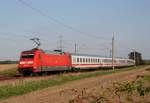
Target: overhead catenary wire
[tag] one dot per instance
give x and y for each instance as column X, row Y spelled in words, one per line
column 58, row 21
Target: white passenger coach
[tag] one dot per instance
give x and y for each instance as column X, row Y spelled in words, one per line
column 93, row 61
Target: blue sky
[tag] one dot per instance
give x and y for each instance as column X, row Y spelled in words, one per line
column 93, row 23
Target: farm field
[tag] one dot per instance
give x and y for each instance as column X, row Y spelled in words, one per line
column 5, row 67
column 80, row 91
column 8, row 70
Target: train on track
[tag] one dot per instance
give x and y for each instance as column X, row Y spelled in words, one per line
column 40, row 61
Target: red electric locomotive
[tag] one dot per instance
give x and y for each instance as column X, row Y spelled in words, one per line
column 38, row 61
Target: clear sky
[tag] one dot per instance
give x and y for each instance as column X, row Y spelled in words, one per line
column 88, row 23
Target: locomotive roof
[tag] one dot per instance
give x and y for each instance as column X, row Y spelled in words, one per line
column 45, row 51
column 52, row 52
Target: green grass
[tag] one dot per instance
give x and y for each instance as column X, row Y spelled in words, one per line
column 26, row 87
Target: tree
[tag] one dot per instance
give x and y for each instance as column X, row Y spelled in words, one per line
column 137, row 57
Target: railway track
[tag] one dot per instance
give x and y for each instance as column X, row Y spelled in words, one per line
column 4, row 78
column 8, row 78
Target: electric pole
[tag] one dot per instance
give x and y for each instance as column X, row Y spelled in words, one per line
column 110, row 53
column 113, row 67
column 75, row 48
column 60, row 43
column 134, row 57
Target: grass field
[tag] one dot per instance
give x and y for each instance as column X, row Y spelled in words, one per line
column 26, row 87
column 4, row 67
column 8, row 69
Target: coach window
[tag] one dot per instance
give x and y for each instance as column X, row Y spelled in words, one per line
column 81, row 60
column 86, row 60
column 98, row 60
column 105, row 60
column 89, row 60
column 94, row 60
column 111, row 61
column 78, row 60
column 115, row 61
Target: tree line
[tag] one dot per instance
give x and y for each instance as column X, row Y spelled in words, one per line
column 8, row 62
column 138, row 58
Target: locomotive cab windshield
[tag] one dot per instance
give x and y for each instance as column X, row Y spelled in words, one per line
column 27, row 56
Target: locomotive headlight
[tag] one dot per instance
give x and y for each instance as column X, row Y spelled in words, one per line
column 22, row 62
column 30, row 62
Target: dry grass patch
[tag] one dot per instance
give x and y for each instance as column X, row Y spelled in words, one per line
column 5, row 67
